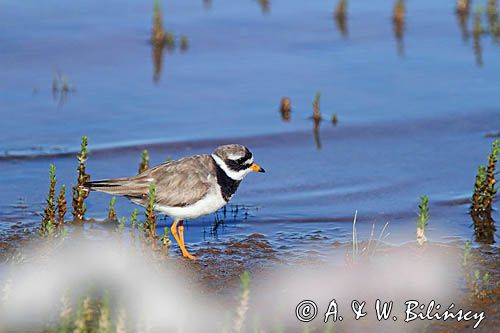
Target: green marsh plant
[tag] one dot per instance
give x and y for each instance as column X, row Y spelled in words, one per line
column 483, row 196
column 144, row 165
column 121, row 225
column 244, row 299
column 165, row 241
column 150, row 224
column 49, row 218
column 61, row 207
column 423, row 219
column 285, row 108
column 79, row 192
column 481, row 285
column 112, row 211
column 316, row 107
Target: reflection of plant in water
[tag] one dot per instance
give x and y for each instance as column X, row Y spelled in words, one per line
column 157, row 61
column 285, row 108
column 161, row 39
column 79, row 193
column 463, row 15
column 334, row 119
column 483, row 196
column 493, row 20
column 184, row 43
column 480, row 285
column 398, row 20
column 265, row 6
column 477, row 31
column 61, row 88
column 340, row 15
column 423, row 218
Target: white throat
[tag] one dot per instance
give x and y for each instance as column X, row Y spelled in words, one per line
column 235, row 175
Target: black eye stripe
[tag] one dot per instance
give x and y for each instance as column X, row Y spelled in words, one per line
column 235, row 166
column 248, row 156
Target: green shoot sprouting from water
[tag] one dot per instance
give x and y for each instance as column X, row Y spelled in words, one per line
column 121, row 226
column 241, row 310
column 480, row 285
column 133, row 218
column 112, row 211
column 490, row 190
column 316, row 109
column 61, row 207
column 467, row 254
column 158, row 35
column 483, row 197
column 478, row 25
column 79, row 193
column 144, row 161
column 484, row 187
column 423, row 218
column 399, row 11
column 477, row 195
column 165, row 241
column 150, row 224
column 48, row 220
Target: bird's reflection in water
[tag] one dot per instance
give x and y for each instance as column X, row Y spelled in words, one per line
column 398, row 24
column 340, row 15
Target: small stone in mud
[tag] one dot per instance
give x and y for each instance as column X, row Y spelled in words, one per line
column 253, row 236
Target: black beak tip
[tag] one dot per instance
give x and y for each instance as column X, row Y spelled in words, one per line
column 262, row 170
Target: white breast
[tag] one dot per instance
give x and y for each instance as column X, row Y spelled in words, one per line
column 209, row 204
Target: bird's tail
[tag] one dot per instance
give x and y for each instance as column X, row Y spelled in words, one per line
column 116, row 186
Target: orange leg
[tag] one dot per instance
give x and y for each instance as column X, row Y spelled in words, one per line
column 173, row 230
column 185, row 252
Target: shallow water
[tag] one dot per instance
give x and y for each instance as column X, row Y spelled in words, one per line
column 412, row 120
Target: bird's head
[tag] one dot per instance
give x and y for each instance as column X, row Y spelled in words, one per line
column 235, row 160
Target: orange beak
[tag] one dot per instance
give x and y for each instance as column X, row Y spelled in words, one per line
column 257, row 168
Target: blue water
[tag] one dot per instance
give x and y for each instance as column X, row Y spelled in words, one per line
column 411, row 122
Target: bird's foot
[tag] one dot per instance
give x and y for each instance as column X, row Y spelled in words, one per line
column 186, row 254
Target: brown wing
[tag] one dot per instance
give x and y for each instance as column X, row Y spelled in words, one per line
column 185, row 181
column 177, row 183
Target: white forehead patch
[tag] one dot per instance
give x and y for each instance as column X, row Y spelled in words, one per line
column 234, row 157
